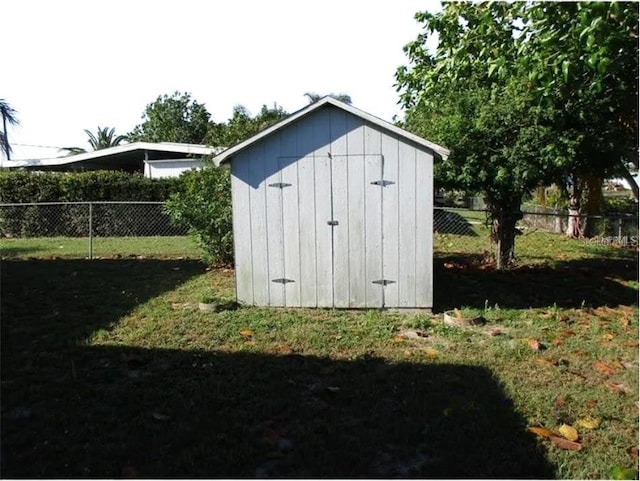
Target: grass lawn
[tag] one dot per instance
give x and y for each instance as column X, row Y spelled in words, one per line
column 111, row 247
column 110, row 370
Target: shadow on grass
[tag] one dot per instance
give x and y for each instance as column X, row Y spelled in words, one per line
column 464, row 280
column 117, row 411
column 8, row 251
column 448, row 222
column 86, row 295
column 70, row 410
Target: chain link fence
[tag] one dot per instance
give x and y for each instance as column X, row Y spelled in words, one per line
column 90, row 229
column 540, row 235
column 134, row 229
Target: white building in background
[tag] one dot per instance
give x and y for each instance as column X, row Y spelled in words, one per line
column 155, row 160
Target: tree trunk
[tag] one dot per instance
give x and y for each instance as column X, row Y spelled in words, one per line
column 541, row 194
column 503, row 234
column 574, row 228
column 593, row 205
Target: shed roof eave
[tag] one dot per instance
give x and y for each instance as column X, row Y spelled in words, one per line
column 226, row 155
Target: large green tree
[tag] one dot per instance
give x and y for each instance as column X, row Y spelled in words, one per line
column 243, row 125
column 104, row 138
column 499, row 146
column 9, row 116
column 173, row 118
column 582, row 58
column 507, row 54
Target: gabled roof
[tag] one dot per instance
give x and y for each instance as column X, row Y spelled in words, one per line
column 113, row 157
column 230, row 152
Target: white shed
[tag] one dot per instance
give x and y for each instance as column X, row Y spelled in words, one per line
column 333, row 207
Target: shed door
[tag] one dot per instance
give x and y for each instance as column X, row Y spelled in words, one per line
column 356, row 219
column 326, row 232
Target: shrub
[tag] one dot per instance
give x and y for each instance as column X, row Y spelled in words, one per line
column 204, row 205
column 19, row 186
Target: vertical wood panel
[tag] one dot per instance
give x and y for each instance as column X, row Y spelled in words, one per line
column 290, row 216
column 324, row 237
column 424, row 229
column 340, row 178
column 373, row 231
column 356, row 259
column 355, row 135
column 373, row 213
column 390, row 218
column 258, row 209
column 407, row 226
column 307, row 214
column 242, row 230
column 273, row 199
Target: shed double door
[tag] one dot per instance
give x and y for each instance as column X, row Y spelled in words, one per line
column 325, row 235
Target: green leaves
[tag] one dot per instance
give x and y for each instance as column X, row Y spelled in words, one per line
column 173, row 118
column 204, row 205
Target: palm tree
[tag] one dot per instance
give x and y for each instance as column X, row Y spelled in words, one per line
column 314, row 97
column 9, row 115
column 104, row 138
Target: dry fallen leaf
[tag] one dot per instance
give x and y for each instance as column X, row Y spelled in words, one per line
column 542, row 432
column 557, row 342
column 588, row 422
column 616, row 365
column 250, row 343
column 533, row 344
column 430, row 353
column 246, row 332
column 565, row 443
column 617, row 387
column 591, row 403
column 633, row 452
column 398, row 339
column 604, row 368
column 568, row 432
column 608, row 336
column 541, row 361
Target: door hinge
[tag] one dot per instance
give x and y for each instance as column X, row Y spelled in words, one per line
column 332, row 222
column 383, row 182
column 282, row 280
column 383, row 282
column 279, row 185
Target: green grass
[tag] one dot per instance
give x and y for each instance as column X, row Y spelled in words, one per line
column 110, row 370
column 78, row 247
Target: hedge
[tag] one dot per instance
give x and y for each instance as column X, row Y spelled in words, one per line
column 22, row 187
column 71, row 220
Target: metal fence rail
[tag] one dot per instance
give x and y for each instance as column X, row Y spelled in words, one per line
column 89, row 229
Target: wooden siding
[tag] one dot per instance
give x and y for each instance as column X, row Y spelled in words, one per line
column 290, row 186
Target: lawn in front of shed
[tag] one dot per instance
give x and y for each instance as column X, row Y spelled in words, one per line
column 110, row 370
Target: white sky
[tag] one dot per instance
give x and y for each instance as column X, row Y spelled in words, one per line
column 73, row 65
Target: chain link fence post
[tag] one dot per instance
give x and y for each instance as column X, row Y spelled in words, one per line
column 90, row 230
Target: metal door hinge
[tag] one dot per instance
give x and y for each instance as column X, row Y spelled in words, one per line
column 280, row 185
column 282, row 280
column 383, row 282
column 332, row 222
column 383, row 182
